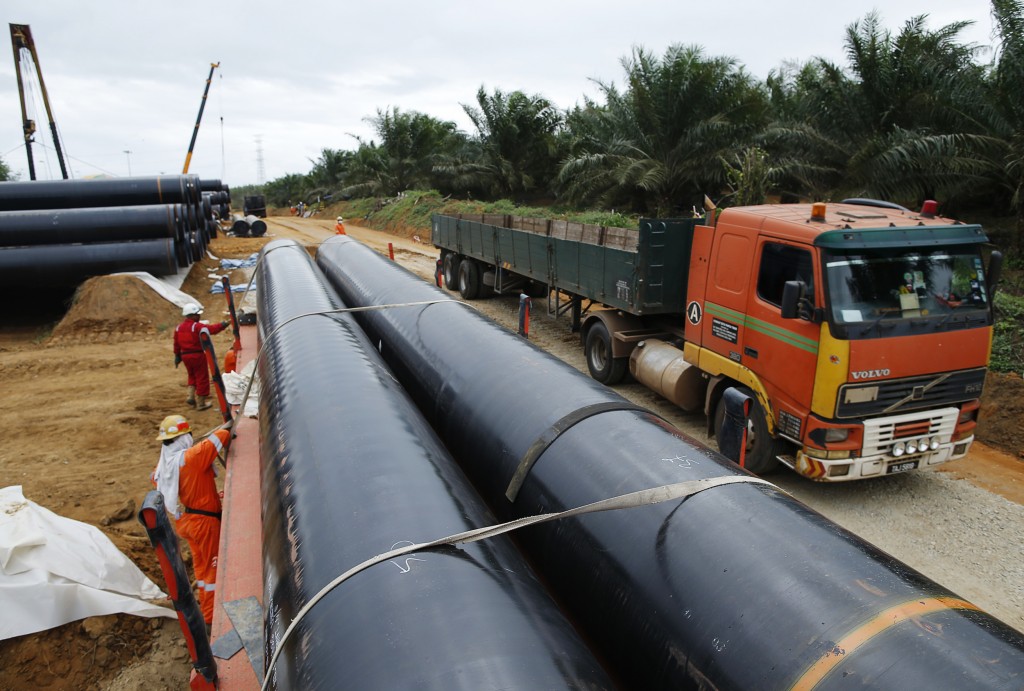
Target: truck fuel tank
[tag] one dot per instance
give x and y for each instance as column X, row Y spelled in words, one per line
column 660, row 367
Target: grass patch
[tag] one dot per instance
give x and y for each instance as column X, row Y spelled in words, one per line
column 1008, row 335
column 414, row 208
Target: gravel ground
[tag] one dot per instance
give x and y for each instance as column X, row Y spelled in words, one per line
column 964, row 538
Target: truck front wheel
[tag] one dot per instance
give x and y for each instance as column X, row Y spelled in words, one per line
column 762, row 448
column 469, row 279
column 598, row 349
column 450, row 266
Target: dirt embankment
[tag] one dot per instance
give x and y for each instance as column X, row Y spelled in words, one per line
column 1002, row 411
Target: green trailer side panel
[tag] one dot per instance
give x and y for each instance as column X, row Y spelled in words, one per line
column 664, row 264
column 648, row 278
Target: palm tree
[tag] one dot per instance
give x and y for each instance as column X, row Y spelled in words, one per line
column 329, row 171
column 514, row 150
column 410, row 144
column 659, row 143
column 857, row 132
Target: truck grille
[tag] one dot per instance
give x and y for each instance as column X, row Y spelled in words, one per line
column 929, row 391
column 881, row 433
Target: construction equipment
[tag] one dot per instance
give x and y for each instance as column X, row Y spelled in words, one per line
column 21, row 39
column 199, row 118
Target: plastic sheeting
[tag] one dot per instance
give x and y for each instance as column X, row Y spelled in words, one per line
column 54, row 570
column 235, row 384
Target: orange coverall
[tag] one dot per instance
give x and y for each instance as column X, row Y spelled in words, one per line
column 197, row 490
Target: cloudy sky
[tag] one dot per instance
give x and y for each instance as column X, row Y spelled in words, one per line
column 297, row 77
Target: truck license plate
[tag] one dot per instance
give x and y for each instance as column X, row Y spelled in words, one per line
column 901, row 467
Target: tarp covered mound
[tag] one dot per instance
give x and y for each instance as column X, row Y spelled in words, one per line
column 54, row 570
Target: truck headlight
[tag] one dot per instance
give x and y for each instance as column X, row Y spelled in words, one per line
column 837, row 434
column 898, row 449
column 933, row 444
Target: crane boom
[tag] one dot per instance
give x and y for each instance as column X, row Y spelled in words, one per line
column 199, row 118
column 21, row 38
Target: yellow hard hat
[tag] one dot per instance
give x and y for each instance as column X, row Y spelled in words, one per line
column 173, row 426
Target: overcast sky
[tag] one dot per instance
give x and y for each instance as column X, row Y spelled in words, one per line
column 297, row 77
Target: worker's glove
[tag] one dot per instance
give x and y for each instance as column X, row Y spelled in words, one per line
column 224, row 325
column 177, row 361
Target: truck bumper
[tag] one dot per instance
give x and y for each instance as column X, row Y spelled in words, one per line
column 829, row 470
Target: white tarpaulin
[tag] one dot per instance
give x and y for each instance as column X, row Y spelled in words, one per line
column 168, row 288
column 54, row 570
column 235, row 384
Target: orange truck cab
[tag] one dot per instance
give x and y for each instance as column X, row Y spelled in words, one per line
column 861, row 331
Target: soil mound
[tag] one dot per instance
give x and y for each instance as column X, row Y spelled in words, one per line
column 1002, row 409
column 115, row 307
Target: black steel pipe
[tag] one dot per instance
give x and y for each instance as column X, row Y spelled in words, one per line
column 72, row 194
column 350, row 470
column 71, row 264
column 257, row 227
column 100, row 224
column 738, row 587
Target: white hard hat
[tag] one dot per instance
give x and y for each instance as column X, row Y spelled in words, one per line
column 340, row 219
column 190, row 309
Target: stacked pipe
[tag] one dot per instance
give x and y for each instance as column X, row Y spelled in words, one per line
column 61, row 232
column 740, row 586
column 351, row 469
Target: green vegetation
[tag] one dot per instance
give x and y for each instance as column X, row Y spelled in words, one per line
column 412, row 210
column 5, row 171
column 1008, row 339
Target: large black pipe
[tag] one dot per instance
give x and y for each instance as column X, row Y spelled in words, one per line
column 71, row 264
column 101, row 224
column 738, row 587
column 351, row 469
column 72, row 194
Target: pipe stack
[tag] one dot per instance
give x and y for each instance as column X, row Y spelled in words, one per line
column 60, row 232
column 740, row 586
column 350, row 470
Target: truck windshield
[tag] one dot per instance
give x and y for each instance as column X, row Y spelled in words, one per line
column 875, row 293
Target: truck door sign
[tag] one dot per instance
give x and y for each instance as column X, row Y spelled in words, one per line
column 725, row 330
column 694, row 313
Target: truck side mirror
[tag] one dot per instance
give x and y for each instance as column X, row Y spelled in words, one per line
column 995, row 269
column 792, row 292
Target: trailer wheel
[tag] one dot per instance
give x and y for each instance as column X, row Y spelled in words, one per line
column 761, row 448
column 598, row 350
column 450, row 266
column 469, row 279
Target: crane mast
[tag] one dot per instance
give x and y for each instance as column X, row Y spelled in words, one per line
column 21, row 39
column 199, row 118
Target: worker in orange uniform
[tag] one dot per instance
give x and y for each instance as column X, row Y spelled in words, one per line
column 185, row 476
column 339, row 227
column 188, row 349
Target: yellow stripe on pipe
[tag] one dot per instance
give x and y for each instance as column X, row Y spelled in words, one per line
column 885, row 620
